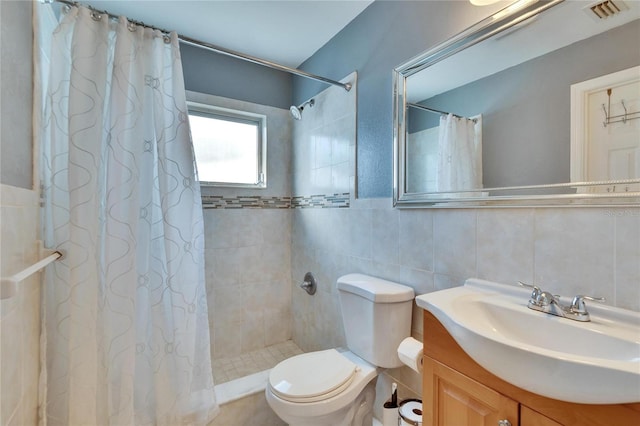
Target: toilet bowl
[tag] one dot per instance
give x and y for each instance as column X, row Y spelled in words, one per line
column 323, row 388
column 334, row 388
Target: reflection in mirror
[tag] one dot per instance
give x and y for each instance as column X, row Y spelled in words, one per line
column 516, row 85
column 445, row 156
column 605, row 130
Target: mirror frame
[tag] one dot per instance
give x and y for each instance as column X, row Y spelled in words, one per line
column 482, row 30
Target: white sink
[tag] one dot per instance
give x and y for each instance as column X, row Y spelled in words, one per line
column 596, row 362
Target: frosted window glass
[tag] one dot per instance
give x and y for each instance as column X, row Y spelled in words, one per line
column 227, row 151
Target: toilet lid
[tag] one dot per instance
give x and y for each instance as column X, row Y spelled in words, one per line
column 313, row 376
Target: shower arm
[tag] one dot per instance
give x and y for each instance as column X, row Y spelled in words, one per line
column 217, row 49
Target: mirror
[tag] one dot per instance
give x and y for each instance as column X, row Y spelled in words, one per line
column 486, row 118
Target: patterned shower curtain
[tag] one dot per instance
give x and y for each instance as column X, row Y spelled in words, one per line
column 460, row 154
column 125, row 326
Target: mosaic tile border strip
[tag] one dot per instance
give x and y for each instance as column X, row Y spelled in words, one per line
column 245, row 202
column 321, row 201
column 260, row 202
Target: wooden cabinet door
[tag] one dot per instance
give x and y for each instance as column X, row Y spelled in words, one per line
column 528, row 417
column 452, row 399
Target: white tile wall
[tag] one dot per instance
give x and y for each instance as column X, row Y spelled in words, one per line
column 248, row 263
column 627, row 257
column 422, row 149
column 248, row 250
column 19, row 315
column 574, row 253
column 569, row 251
column 324, row 143
column 16, row 151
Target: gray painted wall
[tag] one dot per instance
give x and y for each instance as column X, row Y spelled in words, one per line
column 16, row 134
column 382, row 37
column 220, row 75
column 526, row 109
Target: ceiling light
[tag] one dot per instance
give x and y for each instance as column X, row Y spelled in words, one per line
column 520, row 4
column 483, row 2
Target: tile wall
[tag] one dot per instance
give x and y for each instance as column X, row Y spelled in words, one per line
column 324, row 143
column 248, row 258
column 323, row 164
column 422, row 148
column 569, row 251
column 248, row 247
column 20, row 314
column 248, row 237
column 16, row 51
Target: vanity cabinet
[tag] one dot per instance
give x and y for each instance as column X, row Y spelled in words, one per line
column 455, row 399
column 459, row 392
column 459, row 400
column 528, row 417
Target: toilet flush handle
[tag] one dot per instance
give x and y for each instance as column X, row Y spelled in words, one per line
column 309, row 284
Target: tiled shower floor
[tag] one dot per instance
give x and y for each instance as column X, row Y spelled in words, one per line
column 227, row 369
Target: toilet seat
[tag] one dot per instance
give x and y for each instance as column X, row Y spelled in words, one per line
column 313, row 376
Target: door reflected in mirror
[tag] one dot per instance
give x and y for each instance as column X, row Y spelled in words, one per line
column 605, row 131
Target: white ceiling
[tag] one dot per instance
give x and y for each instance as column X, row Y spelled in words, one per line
column 286, row 32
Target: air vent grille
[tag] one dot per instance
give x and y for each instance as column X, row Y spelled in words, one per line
column 606, row 9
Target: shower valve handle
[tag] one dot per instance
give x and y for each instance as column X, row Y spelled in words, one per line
column 309, row 284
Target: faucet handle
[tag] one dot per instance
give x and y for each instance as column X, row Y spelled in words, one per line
column 546, row 298
column 578, row 306
column 535, row 294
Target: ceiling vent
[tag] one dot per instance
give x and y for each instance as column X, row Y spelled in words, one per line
column 606, row 9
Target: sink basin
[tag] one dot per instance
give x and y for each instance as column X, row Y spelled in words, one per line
column 596, row 362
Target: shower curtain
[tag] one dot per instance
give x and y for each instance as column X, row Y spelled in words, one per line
column 460, row 149
column 125, row 326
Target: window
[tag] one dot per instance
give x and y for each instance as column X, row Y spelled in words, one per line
column 230, row 146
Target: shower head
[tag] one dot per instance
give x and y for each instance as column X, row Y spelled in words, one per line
column 296, row 111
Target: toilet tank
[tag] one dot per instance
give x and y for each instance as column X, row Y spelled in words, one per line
column 376, row 314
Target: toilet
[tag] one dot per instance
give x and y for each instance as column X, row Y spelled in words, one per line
column 334, row 387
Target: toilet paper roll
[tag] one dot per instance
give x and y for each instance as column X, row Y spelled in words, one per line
column 410, row 353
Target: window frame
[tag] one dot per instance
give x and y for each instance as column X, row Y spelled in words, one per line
column 237, row 116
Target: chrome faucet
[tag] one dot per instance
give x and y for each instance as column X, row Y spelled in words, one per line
column 548, row 303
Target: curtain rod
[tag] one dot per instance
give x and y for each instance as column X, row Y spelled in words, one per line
column 437, row 111
column 217, row 49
